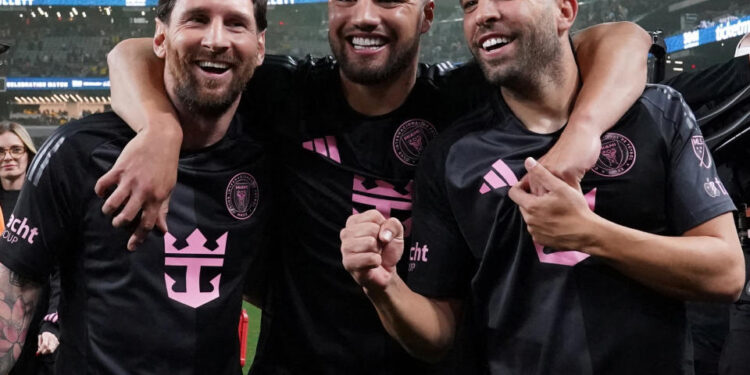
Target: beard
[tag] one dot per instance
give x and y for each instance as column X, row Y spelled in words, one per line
column 538, row 57
column 399, row 60
column 199, row 95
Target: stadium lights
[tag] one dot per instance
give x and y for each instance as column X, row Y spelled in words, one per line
column 75, row 11
column 83, row 14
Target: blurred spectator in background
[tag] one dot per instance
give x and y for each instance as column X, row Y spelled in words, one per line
column 37, row 357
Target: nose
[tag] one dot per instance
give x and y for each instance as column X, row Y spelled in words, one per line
column 487, row 12
column 365, row 15
column 216, row 39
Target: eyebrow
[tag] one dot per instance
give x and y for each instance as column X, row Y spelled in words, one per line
column 201, row 11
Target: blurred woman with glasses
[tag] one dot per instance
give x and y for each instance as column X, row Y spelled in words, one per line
column 16, row 152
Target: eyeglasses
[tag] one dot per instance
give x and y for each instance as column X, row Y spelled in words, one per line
column 14, row 151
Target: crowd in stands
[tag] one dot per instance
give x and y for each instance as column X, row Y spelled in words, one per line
column 713, row 17
column 77, row 47
column 33, row 116
column 68, row 47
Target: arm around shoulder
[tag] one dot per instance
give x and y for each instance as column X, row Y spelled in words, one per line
column 612, row 62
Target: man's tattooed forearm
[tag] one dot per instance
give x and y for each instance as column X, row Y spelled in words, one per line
column 18, row 299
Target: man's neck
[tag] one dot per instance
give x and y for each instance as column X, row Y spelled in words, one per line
column 381, row 98
column 545, row 106
column 202, row 131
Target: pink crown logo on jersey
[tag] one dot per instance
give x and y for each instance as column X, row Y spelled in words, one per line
column 193, row 296
column 195, row 241
column 384, row 197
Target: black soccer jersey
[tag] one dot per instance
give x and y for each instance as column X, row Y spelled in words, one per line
column 539, row 311
column 172, row 306
column 333, row 162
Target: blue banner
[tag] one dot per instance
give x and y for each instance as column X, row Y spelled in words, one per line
column 122, row 3
column 692, row 39
column 21, row 84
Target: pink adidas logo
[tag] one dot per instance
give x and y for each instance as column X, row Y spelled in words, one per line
column 325, row 146
column 193, row 296
column 501, row 176
column 52, row 318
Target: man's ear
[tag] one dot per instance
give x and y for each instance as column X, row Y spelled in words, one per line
column 567, row 15
column 160, row 36
column 261, row 47
column 429, row 15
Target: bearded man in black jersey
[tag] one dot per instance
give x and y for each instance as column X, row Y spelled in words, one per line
column 346, row 136
column 174, row 308
column 581, row 279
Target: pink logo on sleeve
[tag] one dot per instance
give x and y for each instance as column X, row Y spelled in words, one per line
column 20, row 229
column 701, row 151
column 417, row 254
column 194, row 257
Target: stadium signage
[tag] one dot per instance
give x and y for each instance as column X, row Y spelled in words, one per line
column 15, row 3
column 695, row 38
column 18, row 84
column 732, row 30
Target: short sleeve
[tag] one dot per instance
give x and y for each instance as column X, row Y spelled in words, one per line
column 696, row 194
column 440, row 263
column 40, row 223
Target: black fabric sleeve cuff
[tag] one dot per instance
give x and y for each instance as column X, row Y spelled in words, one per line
column 13, row 264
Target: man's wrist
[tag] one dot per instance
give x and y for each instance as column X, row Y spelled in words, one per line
column 582, row 123
column 383, row 294
column 166, row 130
column 595, row 236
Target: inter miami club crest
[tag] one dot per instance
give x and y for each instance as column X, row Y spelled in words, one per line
column 242, row 196
column 410, row 140
column 617, row 156
column 701, row 151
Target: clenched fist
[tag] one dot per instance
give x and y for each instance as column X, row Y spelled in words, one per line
column 371, row 245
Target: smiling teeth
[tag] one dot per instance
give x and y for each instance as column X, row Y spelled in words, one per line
column 371, row 43
column 215, row 65
column 492, row 42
